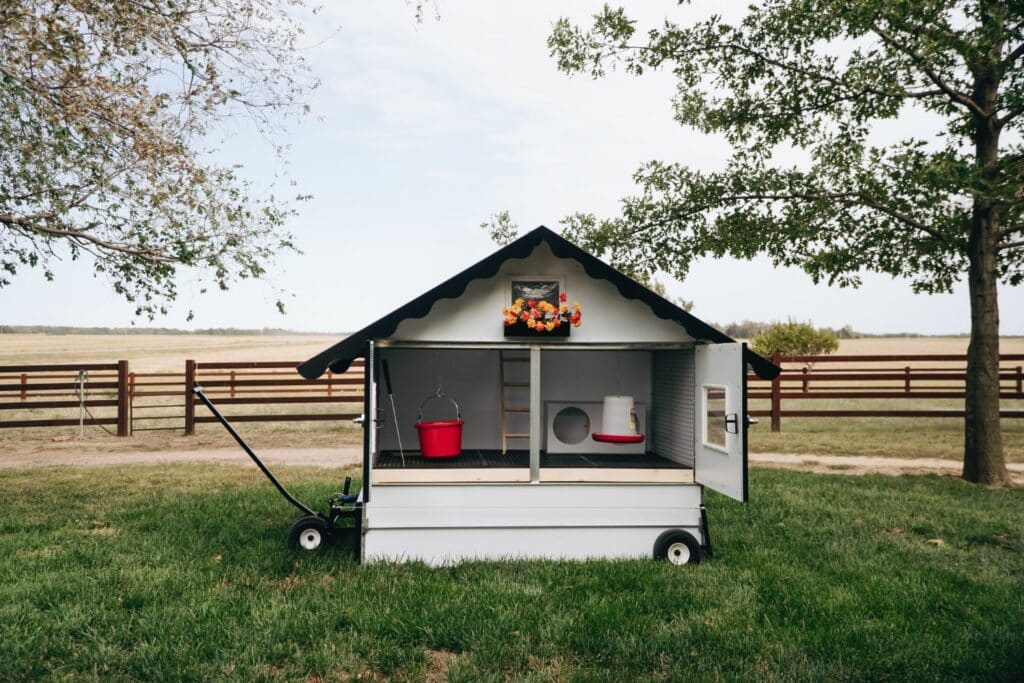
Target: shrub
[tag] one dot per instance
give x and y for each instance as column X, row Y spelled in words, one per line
column 794, row 339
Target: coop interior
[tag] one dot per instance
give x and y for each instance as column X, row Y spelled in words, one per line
column 650, row 420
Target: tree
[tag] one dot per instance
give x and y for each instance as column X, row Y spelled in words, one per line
column 111, row 111
column 794, row 339
column 501, row 228
column 818, row 75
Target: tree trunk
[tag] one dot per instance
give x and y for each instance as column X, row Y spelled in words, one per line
column 983, row 441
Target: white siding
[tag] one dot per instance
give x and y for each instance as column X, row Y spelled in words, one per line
column 445, row 524
column 673, row 410
column 608, row 317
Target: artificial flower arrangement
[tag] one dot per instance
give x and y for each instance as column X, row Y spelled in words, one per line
column 542, row 316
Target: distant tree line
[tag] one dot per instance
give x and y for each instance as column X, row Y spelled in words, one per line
column 748, row 329
column 223, row 331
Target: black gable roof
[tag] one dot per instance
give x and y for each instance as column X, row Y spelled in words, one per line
column 338, row 357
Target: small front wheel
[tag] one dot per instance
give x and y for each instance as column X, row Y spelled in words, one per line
column 309, row 533
column 678, row 547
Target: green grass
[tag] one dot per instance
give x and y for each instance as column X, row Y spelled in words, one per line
column 170, row 573
column 917, row 437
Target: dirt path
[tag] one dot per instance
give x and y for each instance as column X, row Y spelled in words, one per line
column 342, row 456
column 346, row 456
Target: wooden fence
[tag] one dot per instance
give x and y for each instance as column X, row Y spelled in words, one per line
column 65, row 387
column 870, row 380
column 60, row 395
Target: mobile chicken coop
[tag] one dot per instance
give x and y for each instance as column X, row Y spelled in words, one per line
column 542, row 404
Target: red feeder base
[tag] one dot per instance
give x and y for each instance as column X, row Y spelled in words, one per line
column 619, row 438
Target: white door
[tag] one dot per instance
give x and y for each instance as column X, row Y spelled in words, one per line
column 720, row 434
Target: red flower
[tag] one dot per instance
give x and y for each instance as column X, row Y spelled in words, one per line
column 563, row 297
column 524, row 316
column 532, row 303
column 558, row 322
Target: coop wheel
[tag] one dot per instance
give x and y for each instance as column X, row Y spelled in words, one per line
column 678, row 547
column 309, row 533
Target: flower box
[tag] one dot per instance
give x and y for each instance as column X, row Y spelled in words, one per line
column 541, row 317
column 521, row 330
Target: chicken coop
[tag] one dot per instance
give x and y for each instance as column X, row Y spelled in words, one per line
column 542, row 404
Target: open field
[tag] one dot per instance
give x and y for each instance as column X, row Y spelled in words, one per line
column 152, row 353
column 181, row 572
column 156, row 352
column 906, row 437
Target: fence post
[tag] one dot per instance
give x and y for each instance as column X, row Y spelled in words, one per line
column 1020, row 381
column 330, row 385
column 124, row 405
column 806, row 379
column 777, row 396
column 232, row 384
column 24, row 386
column 906, row 379
column 190, row 405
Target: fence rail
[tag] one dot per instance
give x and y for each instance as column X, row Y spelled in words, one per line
column 59, row 395
column 876, row 377
column 83, row 386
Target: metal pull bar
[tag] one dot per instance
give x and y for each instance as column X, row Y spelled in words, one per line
column 259, row 463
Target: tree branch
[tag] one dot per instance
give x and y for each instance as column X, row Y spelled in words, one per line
column 951, row 92
column 1010, row 115
column 1010, row 245
column 811, row 74
column 25, row 221
column 22, row 223
column 1016, row 54
column 850, row 199
column 1006, row 232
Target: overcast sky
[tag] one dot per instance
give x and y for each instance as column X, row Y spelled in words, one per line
column 421, row 131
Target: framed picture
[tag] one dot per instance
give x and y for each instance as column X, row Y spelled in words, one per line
column 536, row 288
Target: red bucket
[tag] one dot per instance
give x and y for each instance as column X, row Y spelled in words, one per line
column 440, row 438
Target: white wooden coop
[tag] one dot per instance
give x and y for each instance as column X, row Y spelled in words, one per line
column 532, row 480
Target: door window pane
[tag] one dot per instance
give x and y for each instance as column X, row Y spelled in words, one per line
column 714, row 416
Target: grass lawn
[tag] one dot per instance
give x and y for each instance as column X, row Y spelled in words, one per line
column 919, row 437
column 160, row 572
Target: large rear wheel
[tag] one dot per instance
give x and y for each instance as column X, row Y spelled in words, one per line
column 678, row 547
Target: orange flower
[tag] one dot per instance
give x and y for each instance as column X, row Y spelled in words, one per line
column 575, row 305
column 549, row 326
column 524, row 316
column 564, row 308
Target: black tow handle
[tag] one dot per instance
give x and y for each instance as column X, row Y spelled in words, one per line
column 259, row 463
